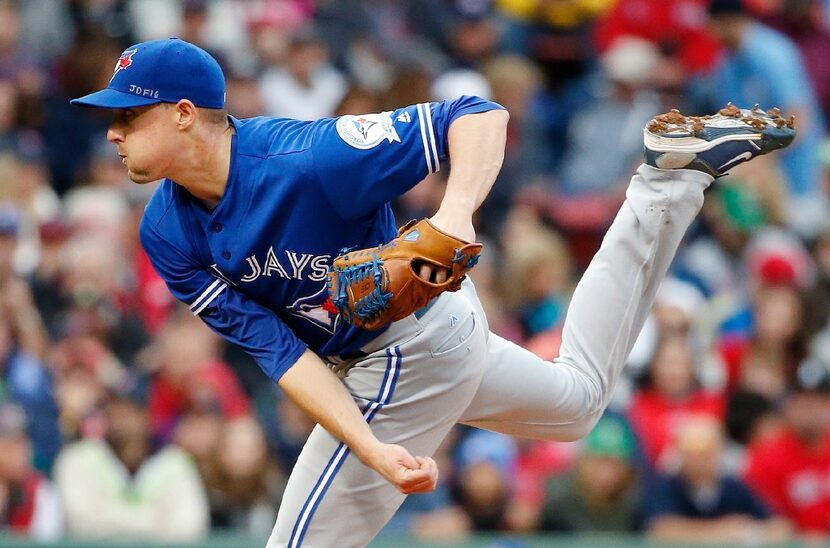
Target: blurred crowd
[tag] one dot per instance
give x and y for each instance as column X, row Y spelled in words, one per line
column 121, row 415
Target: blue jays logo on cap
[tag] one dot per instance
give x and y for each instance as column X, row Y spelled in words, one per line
column 124, row 61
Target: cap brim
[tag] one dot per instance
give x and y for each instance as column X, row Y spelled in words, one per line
column 112, row 98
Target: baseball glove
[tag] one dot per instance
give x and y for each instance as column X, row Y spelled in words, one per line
column 373, row 287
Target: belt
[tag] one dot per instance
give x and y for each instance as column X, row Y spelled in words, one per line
column 421, row 311
column 360, row 354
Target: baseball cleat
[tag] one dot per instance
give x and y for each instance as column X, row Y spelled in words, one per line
column 714, row 144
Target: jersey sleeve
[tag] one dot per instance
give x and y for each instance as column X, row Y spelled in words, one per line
column 238, row 319
column 364, row 161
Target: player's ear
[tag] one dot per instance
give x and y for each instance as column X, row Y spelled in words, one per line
column 185, row 114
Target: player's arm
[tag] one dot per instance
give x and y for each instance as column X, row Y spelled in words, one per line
column 363, row 162
column 476, row 149
column 322, row 396
column 286, row 360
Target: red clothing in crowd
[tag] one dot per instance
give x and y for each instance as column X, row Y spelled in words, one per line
column 537, row 461
column 212, row 387
column 21, row 511
column 678, row 25
column 154, row 299
column 733, row 352
column 655, row 418
column 793, row 479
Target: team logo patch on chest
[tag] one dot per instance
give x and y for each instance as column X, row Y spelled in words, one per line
column 367, row 130
column 317, row 309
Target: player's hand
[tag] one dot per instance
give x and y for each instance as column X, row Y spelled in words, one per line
column 407, row 473
column 454, row 224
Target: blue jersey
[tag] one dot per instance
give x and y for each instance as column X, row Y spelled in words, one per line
column 254, row 268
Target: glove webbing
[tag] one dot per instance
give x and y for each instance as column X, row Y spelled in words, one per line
column 371, row 304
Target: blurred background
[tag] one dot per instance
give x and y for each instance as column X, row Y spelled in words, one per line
column 123, row 417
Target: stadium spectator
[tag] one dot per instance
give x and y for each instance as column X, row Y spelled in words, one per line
column 303, row 84
column 557, row 35
column 26, row 382
column 20, row 68
column 803, row 21
column 762, row 343
column 23, row 346
column 539, row 263
column 286, row 427
column 119, row 488
column 94, row 289
column 760, row 65
column 817, row 296
column 198, row 434
column 538, row 461
column 602, row 492
column 670, row 396
column 678, row 29
column 485, row 461
column 29, row 504
column 71, row 133
column 712, row 260
column 701, row 504
column 750, row 419
column 191, row 377
column 624, row 97
column 246, row 486
column 789, row 470
column 84, row 368
column 518, row 85
column 677, row 308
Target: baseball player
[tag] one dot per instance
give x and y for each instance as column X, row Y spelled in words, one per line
column 251, row 213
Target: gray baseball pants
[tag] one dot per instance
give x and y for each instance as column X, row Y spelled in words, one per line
column 423, row 375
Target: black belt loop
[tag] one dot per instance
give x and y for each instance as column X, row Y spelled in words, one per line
column 357, row 354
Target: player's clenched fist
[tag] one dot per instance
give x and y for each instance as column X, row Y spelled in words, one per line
column 407, row 473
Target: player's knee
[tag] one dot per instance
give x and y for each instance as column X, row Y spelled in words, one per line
column 576, row 430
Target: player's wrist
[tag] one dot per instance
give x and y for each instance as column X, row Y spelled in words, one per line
column 455, row 222
column 455, row 205
column 368, row 450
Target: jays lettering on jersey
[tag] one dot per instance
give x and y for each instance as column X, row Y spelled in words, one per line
column 254, row 268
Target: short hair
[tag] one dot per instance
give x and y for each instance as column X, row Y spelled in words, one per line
column 218, row 116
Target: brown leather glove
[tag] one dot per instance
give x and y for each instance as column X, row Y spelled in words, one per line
column 376, row 286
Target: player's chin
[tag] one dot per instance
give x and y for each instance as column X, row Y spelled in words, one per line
column 141, row 177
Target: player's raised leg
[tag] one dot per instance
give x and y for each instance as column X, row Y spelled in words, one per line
column 524, row 395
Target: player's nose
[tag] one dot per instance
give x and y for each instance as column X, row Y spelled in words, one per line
column 114, row 135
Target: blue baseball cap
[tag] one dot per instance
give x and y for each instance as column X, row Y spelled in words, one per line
column 161, row 71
